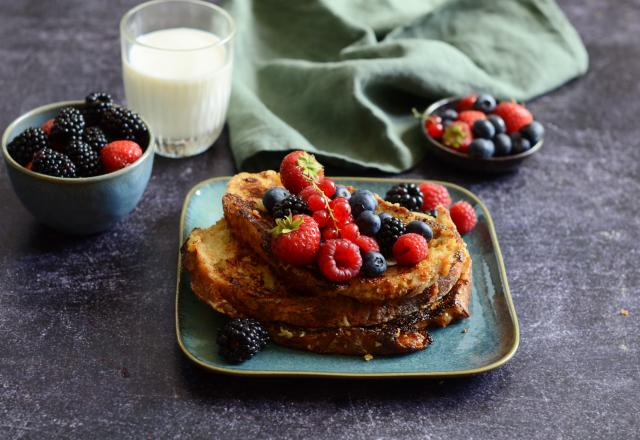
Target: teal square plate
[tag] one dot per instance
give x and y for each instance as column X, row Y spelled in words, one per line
column 486, row 340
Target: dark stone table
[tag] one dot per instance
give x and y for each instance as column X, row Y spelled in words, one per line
column 87, row 338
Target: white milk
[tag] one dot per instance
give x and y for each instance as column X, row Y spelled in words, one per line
column 179, row 81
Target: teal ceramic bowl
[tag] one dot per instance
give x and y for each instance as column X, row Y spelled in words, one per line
column 77, row 206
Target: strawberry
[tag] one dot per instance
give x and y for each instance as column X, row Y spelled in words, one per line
column 466, row 103
column 296, row 240
column 463, row 216
column 298, row 169
column 119, row 154
column 410, row 249
column 470, row 116
column 515, row 116
column 457, row 136
column 433, row 195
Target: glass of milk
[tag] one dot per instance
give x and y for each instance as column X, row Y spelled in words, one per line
column 177, row 57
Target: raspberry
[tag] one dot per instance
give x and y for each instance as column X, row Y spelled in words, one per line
column 367, row 244
column 296, row 240
column 316, row 202
column 297, row 169
column 350, row 232
column 463, row 216
column 433, row 195
column 339, row 260
column 321, row 218
column 119, row 154
column 327, row 186
column 410, row 249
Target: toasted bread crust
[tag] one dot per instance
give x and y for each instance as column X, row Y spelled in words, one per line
column 251, row 224
column 235, row 282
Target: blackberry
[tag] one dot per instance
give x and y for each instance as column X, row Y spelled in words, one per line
column 22, row 147
column 122, row 124
column 97, row 103
column 95, row 138
column 85, row 158
column 67, row 126
column 390, row 230
column 292, row 204
column 240, row 339
column 53, row 163
column 407, row 195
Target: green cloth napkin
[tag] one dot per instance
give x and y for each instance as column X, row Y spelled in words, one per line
column 339, row 77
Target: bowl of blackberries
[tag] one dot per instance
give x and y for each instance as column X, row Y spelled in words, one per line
column 79, row 166
column 479, row 133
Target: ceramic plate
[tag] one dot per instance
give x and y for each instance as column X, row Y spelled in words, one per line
column 491, row 339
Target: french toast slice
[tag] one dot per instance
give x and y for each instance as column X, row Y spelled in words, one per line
column 251, row 224
column 405, row 335
column 229, row 277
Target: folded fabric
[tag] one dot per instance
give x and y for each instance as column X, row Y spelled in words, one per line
column 339, row 77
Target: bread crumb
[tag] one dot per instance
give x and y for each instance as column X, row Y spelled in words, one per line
column 624, row 312
column 368, row 357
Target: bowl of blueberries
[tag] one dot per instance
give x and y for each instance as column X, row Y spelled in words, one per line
column 479, row 133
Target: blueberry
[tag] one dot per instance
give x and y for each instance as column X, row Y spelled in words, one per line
column 448, row 113
column 502, row 143
column 519, row 144
column 481, row 148
column 341, row 191
column 373, row 264
column 362, row 200
column 485, row 103
column 384, row 215
column 533, row 132
column 483, row 129
column 498, row 123
column 421, row 228
column 273, row 196
column 368, row 223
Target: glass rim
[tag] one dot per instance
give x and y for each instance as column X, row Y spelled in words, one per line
column 221, row 41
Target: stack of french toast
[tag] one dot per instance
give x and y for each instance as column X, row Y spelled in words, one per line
column 233, row 268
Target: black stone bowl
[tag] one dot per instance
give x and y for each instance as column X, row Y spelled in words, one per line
column 500, row 164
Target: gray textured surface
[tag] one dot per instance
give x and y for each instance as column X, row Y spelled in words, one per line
column 87, row 345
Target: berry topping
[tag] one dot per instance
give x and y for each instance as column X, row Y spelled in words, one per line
column 390, row 230
column 373, row 264
column 463, row 216
column 433, row 195
column 343, row 192
column 470, row 116
column 327, row 186
column 53, row 163
column 483, row 128
column 290, row 205
column 485, row 103
column 367, row 244
column 86, row 159
column 420, row 228
column 502, row 144
column 119, row 154
column 405, row 194
column 362, row 200
column 298, row 169
column 95, row 138
column 498, row 123
column 350, row 232
column 369, row 223
column 67, row 125
column 240, row 339
column 97, row 103
column 273, row 196
column 481, row 148
column 515, row 116
column 519, row 144
column 122, row 124
column 23, row 146
column 339, row 260
column 466, row 103
column 410, row 249
column 434, row 127
column 296, row 240
column 533, row 132
column 457, row 136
